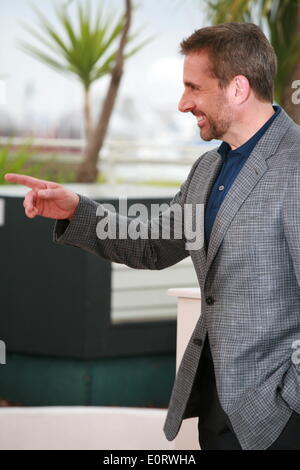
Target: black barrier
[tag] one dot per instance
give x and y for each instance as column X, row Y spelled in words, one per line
column 56, row 300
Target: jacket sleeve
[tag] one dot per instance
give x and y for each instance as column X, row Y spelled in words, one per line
column 144, row 252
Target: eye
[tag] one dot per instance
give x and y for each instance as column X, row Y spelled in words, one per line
column 192, row 87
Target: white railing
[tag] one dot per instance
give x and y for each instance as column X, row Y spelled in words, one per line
column 131, row 160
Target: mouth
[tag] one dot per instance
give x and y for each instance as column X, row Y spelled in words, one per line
column 201, row 120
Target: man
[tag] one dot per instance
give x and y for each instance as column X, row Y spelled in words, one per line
column 240, row 372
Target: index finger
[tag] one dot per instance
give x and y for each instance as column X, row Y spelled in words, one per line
column 29, row 181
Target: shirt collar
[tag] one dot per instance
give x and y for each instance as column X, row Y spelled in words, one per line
column 247, row 147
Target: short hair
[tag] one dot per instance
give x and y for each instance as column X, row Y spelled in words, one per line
column 237, row 49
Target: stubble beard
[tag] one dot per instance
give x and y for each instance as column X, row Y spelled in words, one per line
column 216, row 128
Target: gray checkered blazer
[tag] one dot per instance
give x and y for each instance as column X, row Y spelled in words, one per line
column 251, row 269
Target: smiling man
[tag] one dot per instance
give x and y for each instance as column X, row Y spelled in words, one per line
column 240, row 373
column 221, row 113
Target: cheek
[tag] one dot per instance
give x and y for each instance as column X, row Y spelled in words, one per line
column 207, row 104
column 223, row 105
column 225, row 98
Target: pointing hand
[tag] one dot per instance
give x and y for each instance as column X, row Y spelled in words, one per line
column 46, row 198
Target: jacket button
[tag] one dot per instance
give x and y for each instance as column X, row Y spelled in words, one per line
column 197, row 341
column 210, row 300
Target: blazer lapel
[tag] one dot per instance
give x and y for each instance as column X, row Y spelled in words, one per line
column 204, row 177
column 252, row 171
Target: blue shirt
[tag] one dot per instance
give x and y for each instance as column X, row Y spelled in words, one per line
column 233, row 161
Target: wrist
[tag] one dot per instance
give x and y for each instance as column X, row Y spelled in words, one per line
column 76, row 204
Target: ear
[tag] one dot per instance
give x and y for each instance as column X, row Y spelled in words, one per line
column 240, row 89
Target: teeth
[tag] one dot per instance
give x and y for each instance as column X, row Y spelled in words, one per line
column 201, row 118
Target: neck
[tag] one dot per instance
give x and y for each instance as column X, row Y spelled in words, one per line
column 247, row 124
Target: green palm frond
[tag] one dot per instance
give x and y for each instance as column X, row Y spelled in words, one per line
column 138, row 47
column 225, row 10
column 85, row 47
column 44, row 57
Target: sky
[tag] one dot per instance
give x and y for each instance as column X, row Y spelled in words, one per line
column 152, row 83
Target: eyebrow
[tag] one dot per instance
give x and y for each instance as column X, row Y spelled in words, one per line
column 192, row 85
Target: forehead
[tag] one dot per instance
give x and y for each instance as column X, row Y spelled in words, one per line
column 196, row 64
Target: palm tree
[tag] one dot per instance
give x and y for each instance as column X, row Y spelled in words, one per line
column 282, row 19
column 88, row 52
column 88, row 169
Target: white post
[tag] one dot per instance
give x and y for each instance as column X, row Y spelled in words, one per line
column 2, row 92
column 2, row 353
column 189, row 309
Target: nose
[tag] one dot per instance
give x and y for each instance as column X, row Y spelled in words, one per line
column 185, row 105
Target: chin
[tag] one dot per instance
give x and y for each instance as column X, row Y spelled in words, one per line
column 207, row 138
